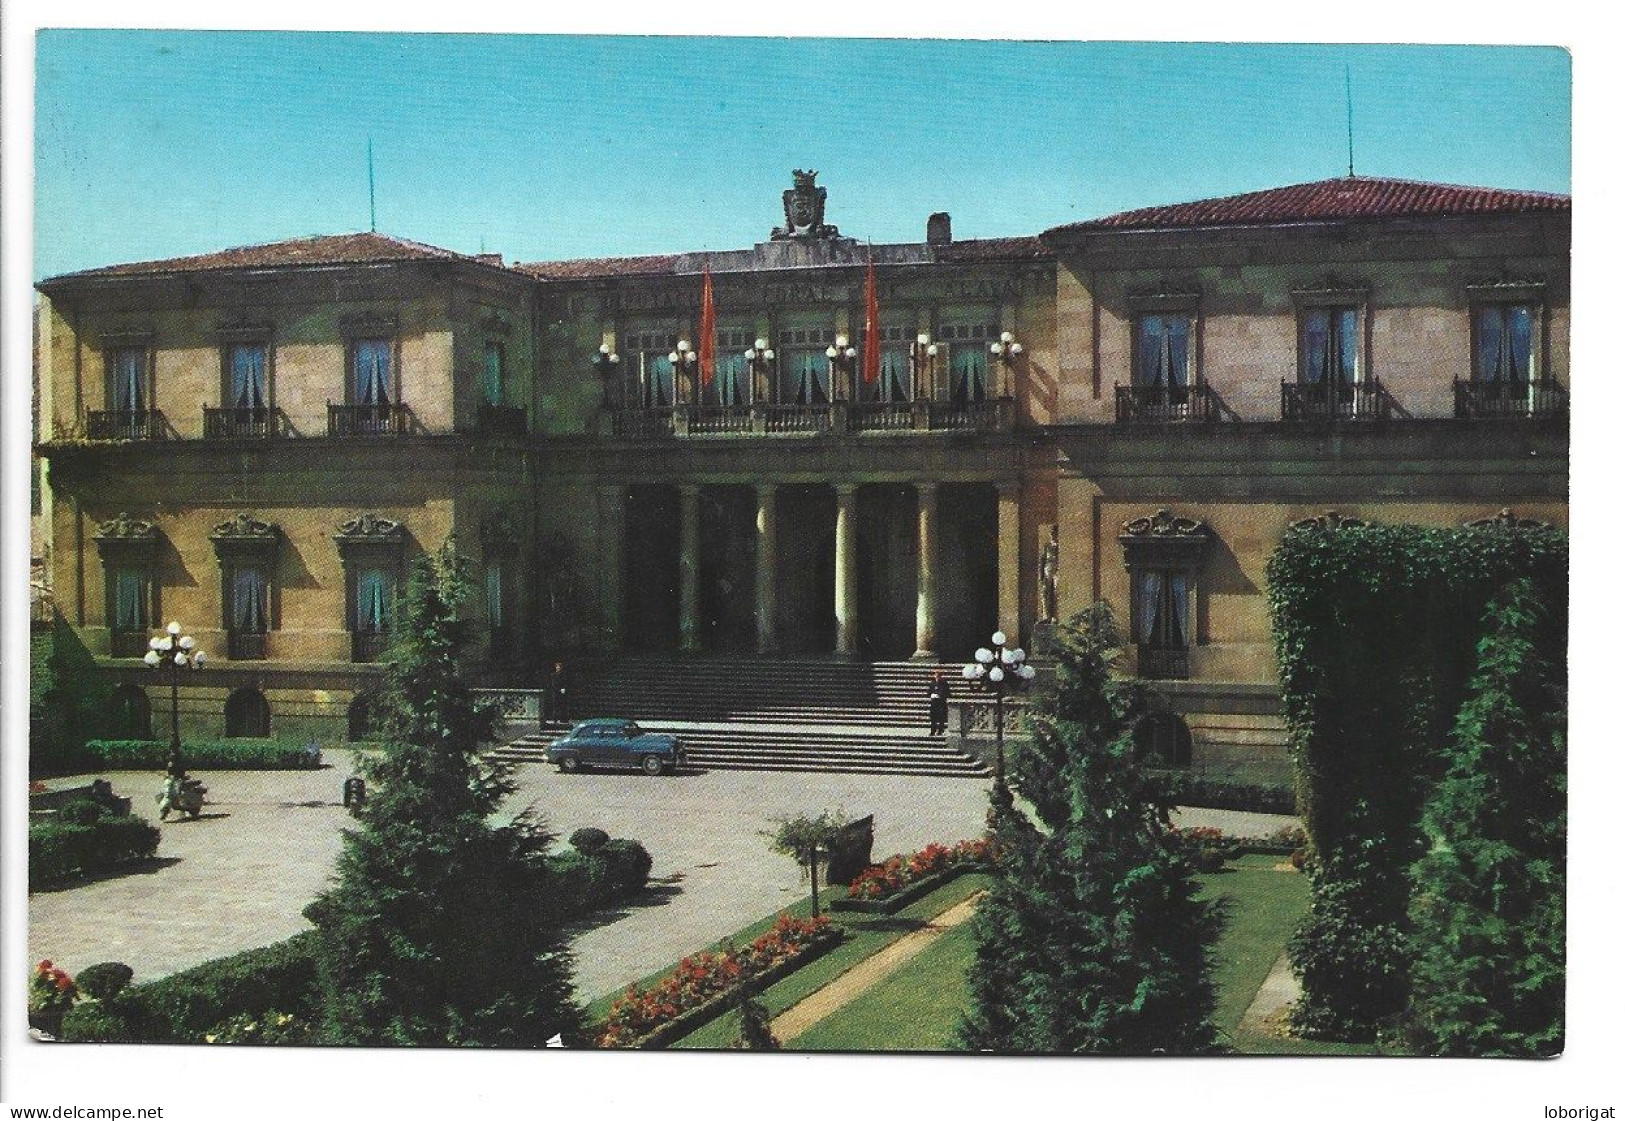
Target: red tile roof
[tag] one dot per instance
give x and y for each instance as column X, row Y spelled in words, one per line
column 332, row 249
column 1353, row 197
column 593, row 267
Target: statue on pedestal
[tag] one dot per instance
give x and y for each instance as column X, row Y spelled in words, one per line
column 1049, row 570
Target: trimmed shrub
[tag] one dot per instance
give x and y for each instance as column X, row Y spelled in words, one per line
column 97, row 1022
column 104, row 980
column 1183, row 789
column 626, row 865
column 211, row 755
column 588, row 840
column 57, row 849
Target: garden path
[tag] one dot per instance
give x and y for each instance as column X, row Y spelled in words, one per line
column 796, row 1019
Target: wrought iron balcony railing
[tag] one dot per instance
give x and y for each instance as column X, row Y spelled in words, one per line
column 887, row 416
column 639, row 424
column 367, row 420
column 124, row 424
column 245, row 646
column 1164, row 663
column 993, row 415
column 1511, row 399
column 241, row 424
column 708, row 419
column 797, row 418
column 1334, row 400
column 836, row 416
column 1165, row 404
column 368, row 646
column 501, row 420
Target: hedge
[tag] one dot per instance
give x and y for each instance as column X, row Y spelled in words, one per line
column 183, row 1007
column 59, row 849
column 1225, row 794
column 1375, row 629
column 213, row 755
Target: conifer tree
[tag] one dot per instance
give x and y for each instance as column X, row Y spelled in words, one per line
column 1091, row 939
column 1489, row 895
column 442, row 928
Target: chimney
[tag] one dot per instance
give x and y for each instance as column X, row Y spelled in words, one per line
column 939, row 229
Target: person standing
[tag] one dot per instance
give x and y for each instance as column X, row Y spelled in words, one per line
column 939, row 703
column 558, row 695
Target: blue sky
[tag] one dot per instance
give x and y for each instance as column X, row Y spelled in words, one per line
column 153, row 144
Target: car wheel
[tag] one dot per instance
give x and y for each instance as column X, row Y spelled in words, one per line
column 652, row 765
column 569, row 764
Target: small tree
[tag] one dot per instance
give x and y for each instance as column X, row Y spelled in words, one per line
column 1488, row 899
column 755, row 1027
column 802, row 838
column 441, row 928
column 1091, row 939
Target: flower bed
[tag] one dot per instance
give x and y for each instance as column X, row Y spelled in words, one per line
column 51, row 992
column 889, row 886
column 703, row 986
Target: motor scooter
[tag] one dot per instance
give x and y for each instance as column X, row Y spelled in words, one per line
column 181, row 795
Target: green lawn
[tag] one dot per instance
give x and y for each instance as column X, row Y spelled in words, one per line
column 866, row 935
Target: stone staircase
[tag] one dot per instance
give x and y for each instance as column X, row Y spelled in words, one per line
column 739, row 713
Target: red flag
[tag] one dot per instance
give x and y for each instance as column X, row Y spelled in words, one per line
column 708, row 331
column 871, row 328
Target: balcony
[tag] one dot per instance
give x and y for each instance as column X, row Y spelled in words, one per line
column 125, row 424
column 1160, row 663
column 838, row 416
column 709, row 420
column 1166, row 404
column 130, row 644
column 1334, row 400
column 241, row 424
column 888, row 416
column 245, row 646
column 797, row 418
column 367, row 420
column 501, row 420
column 1511, row 399
column 640, row 424
column 368, row 646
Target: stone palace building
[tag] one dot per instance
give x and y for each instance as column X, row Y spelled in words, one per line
column 1134, row 408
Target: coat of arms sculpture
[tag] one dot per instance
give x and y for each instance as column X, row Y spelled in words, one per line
column 804, row 210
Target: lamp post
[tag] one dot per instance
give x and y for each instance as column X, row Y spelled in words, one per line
column 760, row 360
column 999, row 670
column 605, row 363
column 174, row 652
column 683, row 360
column 922, row 354
column 1006, row 350
column 843, row 361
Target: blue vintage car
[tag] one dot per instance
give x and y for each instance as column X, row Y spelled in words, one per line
column 620, row 744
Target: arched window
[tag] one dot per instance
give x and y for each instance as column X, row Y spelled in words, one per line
column 131, row 712
column 248, row 714
column 1162, row 739
column 361, row 718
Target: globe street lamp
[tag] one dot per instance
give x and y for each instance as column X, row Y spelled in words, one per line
column 606, row 362
column 999, row 670
column 760, row 360
column 174, row 652
column 842, row 365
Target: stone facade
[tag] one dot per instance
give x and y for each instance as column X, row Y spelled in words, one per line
column 629, row 505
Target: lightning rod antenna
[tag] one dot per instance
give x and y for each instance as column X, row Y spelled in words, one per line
column 372, row 193
column 1348, row 102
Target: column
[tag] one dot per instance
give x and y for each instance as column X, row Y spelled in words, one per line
column 1010, row 560
column 846, row 569
column 925, row 609
column 767, row 568
column 688, row 563
column 611, row 534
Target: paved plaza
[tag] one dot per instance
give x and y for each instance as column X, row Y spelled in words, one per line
column 239, row 877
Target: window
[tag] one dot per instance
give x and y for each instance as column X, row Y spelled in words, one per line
column 730, row 385
column 248, row 715
column 1162, row 352
column 896, row 382
column 803, row 365
column 967, row 360
column 494, row 613
column 650, row 384
column 127, row 385
column 132, row 598
column 374, row 605
column 494, row 373
column 246, row 382
column 1506, row 350
column 1329, row 346
column 371, row 363
column 1164, row 554
column 247, row 549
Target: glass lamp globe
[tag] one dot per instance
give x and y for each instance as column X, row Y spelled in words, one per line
column 166, row 643
column 173, row 628
column 932, row 350
column 155, row 643
column 969, row 672
column 851, row 352
column 603, row 348
column 197, row 660
column 761, row 344
column 922, row 338
column 180, row 658
column 1018, row 655
column 999, row 638
column 682, row 345
column 840, row 342
column 1007, row 338
column 768, row 354
column 984, row 655
column 1015, row 348
column 1027, row 672
column 750, row 355
column 830, row 352
column 995, row 674
column 614, row 358
column 151, row 658
column 187, row 642
column 996, row 348
column 672, row 357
